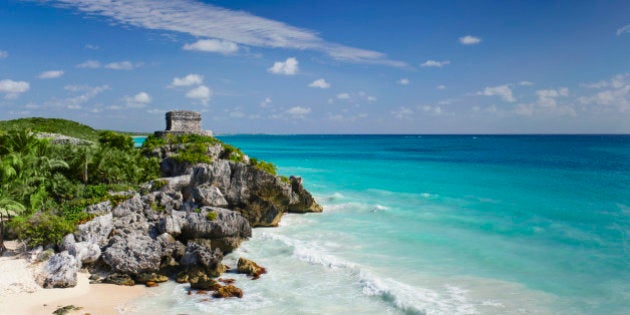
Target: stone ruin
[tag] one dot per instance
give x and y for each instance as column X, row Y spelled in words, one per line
column 183, row 122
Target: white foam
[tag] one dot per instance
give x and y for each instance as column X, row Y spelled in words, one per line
column 409, row 299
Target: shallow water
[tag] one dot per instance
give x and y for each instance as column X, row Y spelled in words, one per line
column 439, row 225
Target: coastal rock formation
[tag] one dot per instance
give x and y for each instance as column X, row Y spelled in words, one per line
column 181, row 225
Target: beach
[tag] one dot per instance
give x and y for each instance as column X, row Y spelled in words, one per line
column 20, row 294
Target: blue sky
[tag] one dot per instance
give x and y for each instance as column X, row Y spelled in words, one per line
column 321, row 66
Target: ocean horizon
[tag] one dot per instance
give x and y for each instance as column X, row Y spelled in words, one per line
column 434, row 224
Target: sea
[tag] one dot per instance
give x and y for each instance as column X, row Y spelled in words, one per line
column 436, row 224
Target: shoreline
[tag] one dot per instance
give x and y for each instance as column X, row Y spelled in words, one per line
column 20, row 294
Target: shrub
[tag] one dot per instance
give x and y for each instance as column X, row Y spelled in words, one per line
column 115, row 140
column 211, row 216
column 42, row 228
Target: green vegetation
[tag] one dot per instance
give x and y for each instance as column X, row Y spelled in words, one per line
column 264, row 166
column 52, row 125
column 45, row 188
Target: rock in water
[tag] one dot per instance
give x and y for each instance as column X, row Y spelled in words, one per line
column 249, row 267
column 305, row 201
column 228, row 291
column 60, row 272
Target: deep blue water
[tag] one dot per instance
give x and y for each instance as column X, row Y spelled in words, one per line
column 444, row 225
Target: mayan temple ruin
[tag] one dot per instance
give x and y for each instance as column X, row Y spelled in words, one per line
column 183, row 122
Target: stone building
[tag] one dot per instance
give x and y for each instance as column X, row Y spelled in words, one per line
column 183, row 122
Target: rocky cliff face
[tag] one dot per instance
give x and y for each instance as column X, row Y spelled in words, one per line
column 181, row 224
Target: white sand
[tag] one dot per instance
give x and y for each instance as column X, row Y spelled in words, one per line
column 20, row 294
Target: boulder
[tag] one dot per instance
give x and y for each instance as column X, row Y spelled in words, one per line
column 228, row 291
column 133, row 254
column 201, row 281
column 249, row 267
column 95, row 231
column 200, row 256
column 304, row 201
column 60, row 271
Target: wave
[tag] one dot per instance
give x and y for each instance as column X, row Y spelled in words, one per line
column 406, row 298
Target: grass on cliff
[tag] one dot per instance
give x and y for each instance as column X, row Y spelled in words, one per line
column 51, row 125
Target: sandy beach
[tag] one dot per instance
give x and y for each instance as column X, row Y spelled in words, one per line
column 20, row 294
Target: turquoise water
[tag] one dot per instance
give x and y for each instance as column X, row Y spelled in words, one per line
column 138, row 140
column 439, row 225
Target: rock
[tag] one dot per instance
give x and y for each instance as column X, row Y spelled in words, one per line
column 202, row 281
column 146, row 277
column 249, row 267
column 199, row 256
column 305, row 201
column 102, row 208
column 95, row 231
column 133, row 254
column 223, row 223
column 119, row 279
column 228, row 291
column 151, row 284
column 60, row 271
column 208, row 195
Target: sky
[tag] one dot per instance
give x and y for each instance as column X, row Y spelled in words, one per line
column 321, row 66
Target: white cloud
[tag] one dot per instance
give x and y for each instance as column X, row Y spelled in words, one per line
column 122, row 65
column 139, row 100
column 13, row 89
column 402, row 113
column 616, row 94
column 155, row 111
column 343, row 96
column 371, row 98
column 435, row 110
column 469, row 40
column 625, row 29
column 4, row 54
column 201, row 93
column 205, row 20
column 547, row 98
column 213, row 45
column 441, row 87
column 403, row 81
column 52, row 74
column 433, row 63
column 525, row 83
column 265, row 103
column 191, row 79
column 504, row 91
column 92, row 47
column 88, row 93
column 299, row 111
column 320, row 83
column 90, row 64
column 288, row 67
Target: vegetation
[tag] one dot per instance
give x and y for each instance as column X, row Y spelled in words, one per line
column 264, row 166
column 52, row 125
column 211, row 216
column 45, row 188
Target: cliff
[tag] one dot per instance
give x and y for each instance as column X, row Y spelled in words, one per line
column 181, row 225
